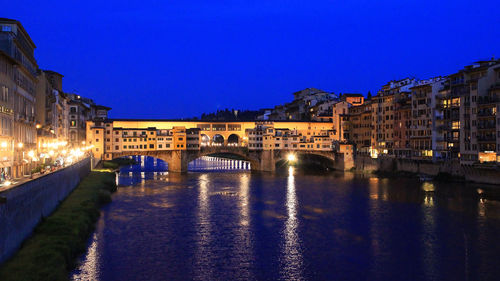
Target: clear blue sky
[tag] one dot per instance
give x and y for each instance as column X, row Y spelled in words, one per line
column 173, row 59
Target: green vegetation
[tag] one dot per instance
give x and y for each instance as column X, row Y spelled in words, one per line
column 116, row 163
column 50, row 253
column 38, row 168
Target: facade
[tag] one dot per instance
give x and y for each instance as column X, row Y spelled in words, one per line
column 426, row 140
column 34, row 110
column 16, row 44
column 361, row 124
column 402, row 126
column 340, row 114
column 112, row 136
column 354, row 99
column 81, row 110
column 439, row 119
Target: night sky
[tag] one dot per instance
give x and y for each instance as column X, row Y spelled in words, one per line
column 174, row 59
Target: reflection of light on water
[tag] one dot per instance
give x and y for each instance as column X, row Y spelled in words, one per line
column 429, row 231
column 89, row 269
column 209, row 163
column 243, row 241
column 378, row 189
column 481, row 208
column 204, row 264
column 373, row 188
column 244, row 200
column 429, row 200
column 292, row 262
column 428, row 186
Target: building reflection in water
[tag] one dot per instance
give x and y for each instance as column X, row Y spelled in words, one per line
column 429, row 231
column 203, row 259
column 292, row 264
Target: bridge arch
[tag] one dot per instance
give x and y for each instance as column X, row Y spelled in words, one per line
column 233, row 140
column 324, row 159
column 218, row 139
column 205, row 140
column 238, row 152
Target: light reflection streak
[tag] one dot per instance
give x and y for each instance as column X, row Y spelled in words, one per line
column 89, row 270
column 429, row 231
column 243, row 241
column 291, row 266
column 203, row 260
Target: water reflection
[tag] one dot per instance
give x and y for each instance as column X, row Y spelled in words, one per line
column 203, row 260
column 292, row 254
column 207, row 225
column 210, row 163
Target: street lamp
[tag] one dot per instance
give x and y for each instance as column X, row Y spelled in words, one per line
column 31, row 155
column 291, row 158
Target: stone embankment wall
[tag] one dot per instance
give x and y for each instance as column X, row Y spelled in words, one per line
column 23, row 206
column 473, row 173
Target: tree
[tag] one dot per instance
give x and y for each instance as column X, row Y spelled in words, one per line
column 369, row 95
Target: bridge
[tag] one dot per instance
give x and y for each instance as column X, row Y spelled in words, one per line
column 262, row 143
column 260, row 160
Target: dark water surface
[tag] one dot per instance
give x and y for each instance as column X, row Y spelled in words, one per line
column 237, row 225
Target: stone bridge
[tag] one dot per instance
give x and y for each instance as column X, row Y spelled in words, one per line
column 260, row 160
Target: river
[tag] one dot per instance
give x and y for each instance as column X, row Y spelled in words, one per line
column 222, row 222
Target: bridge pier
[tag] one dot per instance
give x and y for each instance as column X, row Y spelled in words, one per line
column 178, row 162
column 267, row 163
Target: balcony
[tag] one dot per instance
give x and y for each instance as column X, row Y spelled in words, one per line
column 487, row 138
column 487, row 100
column 486, row 113
column 487, row 126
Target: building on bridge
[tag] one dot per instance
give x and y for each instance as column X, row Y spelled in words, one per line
column 179, row 141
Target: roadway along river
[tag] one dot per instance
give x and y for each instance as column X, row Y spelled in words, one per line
column 232, row 224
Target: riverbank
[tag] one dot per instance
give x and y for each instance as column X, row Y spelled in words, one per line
column 57, row 241
column 447, row 171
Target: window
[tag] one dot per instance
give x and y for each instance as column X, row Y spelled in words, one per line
column 73, row 123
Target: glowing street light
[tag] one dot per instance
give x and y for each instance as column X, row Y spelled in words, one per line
column 4, row 144
column 20, row 145
column 291, row 157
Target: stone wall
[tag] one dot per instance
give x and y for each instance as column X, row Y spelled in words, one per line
column 23, row 206
column 473, row 173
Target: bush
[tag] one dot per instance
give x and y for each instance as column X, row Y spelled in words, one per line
column 50, row 253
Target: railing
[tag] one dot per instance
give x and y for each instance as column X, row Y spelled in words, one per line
column 487, row 100
column 491, row 138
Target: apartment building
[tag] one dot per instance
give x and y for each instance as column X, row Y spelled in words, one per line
column 360, row 126
column 266, row 137
column 402, row 126
column 16, row 44
column 427, row 142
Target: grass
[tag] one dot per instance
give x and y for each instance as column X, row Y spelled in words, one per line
column 116, row 163
column 50, row 253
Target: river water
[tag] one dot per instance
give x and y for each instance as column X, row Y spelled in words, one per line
column 222, row 222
